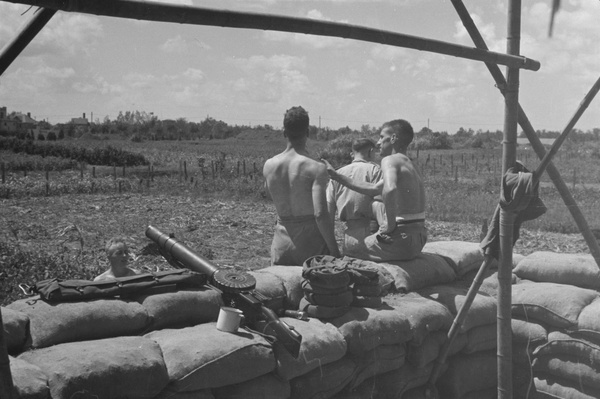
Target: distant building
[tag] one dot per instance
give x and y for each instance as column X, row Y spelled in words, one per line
column 17, row 122
column 80, row 125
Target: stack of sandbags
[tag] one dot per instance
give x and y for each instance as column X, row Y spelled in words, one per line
column 559, row 292
column 15, row 325
column 476, row 357
column 567, row 367
column 56, row 323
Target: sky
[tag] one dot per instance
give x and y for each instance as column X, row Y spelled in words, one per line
column 82, row 63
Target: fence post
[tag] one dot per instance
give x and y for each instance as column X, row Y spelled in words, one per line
column 433, row 172
column 92, row 188
column 81, row 170
column 212, row 169
column 456, row 174
column 25, row 172
column 244, row 166
column 93, row 171
column 152, row 171
column 120, row 182
column 574, row 177
column 185, row 175
column 3, row 172
column 114, row 172
column 123, row 170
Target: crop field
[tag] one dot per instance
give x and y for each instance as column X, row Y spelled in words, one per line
column 56, row 214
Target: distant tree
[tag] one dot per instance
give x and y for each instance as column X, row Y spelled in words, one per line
column 51, row 136
column 61, row 134
column 41, row 137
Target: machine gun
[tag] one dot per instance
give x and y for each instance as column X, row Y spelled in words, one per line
column 236, row 288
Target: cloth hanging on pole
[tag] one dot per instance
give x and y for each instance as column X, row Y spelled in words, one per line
column 519, row 194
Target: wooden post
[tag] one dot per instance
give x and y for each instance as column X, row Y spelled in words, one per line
column 451, row 161
column 123, row 170
column 254, row 167
column 180, row 171
column 120, row 182
column 212, row 168
column 93, row 171
column 185, row 175
column 93, row 186
column 456, row 174
column 114, row 172
column 244, row 166
column 3, row 172
column 25, row 172
column 238, row 169
column 433, row 173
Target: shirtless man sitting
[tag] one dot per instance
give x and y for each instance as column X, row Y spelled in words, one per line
column 118, row 257
column 297, row 184
column 404, row 235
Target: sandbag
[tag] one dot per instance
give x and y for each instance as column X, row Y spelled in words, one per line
column 271, row 287
column 423, row 271
column 465, row 256
column 323, row 382
column 423, row 314
column 580, row 371
column 377, row 361
column 481, row 339
column 481, row 369
column 181, row 308
column 373, row 302
column 364, row 328
column 29, row 381
column 202, row 357
column 264, row 387
column 528, row 332
column 322, row 343
column 122, row 367
column 15, row 325
column 481, row 312
column 580, row 270
column 426, row 352
column 51, row 324
column 550, row 304
column 553, row 387
column 589, row 318
column 558, row 344
column 291, row 276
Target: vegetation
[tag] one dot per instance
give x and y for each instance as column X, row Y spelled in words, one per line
column 57, row 211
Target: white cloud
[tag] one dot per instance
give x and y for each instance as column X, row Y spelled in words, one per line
column 349, row 81
column 140, row 80
column 176, row 45
column 194, row 74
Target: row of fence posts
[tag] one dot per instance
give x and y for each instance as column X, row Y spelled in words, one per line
column 217, row 167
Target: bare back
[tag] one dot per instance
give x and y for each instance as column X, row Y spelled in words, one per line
column 400, row 173
column 296, row 183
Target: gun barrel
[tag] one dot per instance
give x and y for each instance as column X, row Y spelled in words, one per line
column 181, row 252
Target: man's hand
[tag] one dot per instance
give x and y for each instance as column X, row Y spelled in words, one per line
column 330, row 170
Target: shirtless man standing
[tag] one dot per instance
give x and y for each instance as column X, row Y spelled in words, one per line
column 403, row 195
column 297, row 184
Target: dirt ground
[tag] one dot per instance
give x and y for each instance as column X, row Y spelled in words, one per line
column 230, row 232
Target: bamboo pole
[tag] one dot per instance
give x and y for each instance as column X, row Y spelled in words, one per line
column 536, row 143
column 507, row 218
column 164, row 12
column 12, row 50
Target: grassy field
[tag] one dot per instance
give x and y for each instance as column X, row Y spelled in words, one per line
column 58, row 227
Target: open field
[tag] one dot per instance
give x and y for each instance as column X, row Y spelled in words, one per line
column 226, row 217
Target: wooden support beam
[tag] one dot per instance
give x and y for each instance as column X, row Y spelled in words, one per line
column 164, row 12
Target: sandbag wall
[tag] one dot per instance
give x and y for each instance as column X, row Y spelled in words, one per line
column 557, row 302
column 167, row 345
